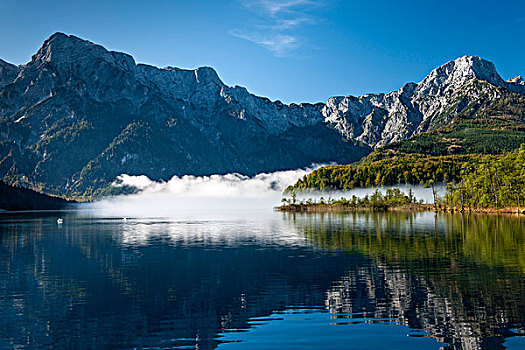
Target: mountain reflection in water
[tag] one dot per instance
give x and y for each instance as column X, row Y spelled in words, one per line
column 96, row 282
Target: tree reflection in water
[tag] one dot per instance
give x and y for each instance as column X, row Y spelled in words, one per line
column 459, row 276
column 105, row 283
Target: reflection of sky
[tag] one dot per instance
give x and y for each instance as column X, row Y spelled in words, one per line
column 194, row 274
column 318, row 329
column 244, row 226
column 232, row 222
column 208, row 232
column 232, row 196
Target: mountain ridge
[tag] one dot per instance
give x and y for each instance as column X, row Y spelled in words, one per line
column 413, row 108
column 78, row 115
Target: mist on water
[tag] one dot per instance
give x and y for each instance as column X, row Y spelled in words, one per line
column 194, row 196
column 229, row 195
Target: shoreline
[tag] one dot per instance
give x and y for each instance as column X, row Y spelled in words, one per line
column 413, row 207
column 327, row 208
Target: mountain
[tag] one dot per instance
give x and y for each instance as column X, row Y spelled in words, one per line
column 380, row 119
column 77, row 116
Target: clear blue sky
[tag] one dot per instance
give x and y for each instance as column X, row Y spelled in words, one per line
column 291, row 50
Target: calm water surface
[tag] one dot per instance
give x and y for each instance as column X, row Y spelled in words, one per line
column 262, row 281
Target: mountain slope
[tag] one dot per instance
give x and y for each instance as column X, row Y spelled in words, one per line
column 76, row 116
column 8, row 72
column 17, row 198
column 380, row 119
column 491, row 124
column 462, row 116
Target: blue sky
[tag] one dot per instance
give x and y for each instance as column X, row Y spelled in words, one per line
column 291, row 50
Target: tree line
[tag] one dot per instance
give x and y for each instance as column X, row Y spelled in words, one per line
column 493, row 183
column 393, row 197
column 410, row 169
column 473, row 181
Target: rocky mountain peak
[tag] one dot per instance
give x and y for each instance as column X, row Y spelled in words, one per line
column 483, row 69
column 380, row 119
column 65, row 50
column 58, row 44
column 60, row 38
column 461, row 70
column 5, row 66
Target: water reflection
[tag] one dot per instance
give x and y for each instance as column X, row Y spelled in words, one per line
column 459, row 276
column 97, row 282
column 483, row 239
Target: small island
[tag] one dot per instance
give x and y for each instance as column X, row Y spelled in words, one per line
column 393, row 199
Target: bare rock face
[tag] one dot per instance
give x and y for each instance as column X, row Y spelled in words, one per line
column 380, row 119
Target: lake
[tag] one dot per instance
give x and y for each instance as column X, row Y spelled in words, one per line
column 262, row 280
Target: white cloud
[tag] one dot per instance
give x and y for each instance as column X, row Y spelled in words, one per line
column 279, row 44
column 285, row 24
column 274, row 24
column 228, row 185
column 215, row 196
column 276, row 7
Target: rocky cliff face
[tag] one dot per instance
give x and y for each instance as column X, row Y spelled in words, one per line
column 380, row 119
column 77, row 115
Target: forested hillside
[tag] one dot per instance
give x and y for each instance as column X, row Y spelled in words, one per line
column 485, row 126
column 18, row 198
column 396, row 169
column 494, row 183
column 482, row 132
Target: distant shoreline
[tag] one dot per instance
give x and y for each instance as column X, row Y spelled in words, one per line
column 412, row 207
column 14, row 198
column 328, row 208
